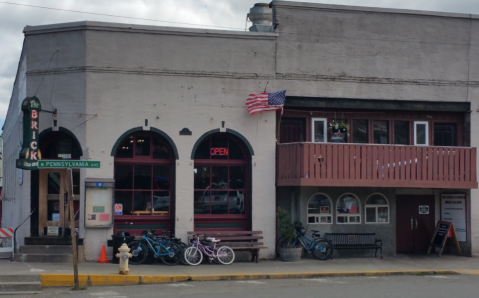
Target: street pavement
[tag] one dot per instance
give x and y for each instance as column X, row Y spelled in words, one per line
column 435, row 286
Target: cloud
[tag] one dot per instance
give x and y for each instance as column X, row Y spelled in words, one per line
column 226, row 13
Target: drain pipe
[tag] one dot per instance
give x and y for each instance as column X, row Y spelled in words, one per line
column 15, row 236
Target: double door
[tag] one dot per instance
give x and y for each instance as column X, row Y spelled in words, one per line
column 414, row 223
column 53, row 209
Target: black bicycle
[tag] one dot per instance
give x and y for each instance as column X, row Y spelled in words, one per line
column 319, row 247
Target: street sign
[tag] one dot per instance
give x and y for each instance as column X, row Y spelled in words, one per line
column 75, row 164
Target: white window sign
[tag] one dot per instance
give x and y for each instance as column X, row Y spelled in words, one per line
column 453, row 209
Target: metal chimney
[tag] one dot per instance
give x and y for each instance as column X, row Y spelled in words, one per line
column 260, row 15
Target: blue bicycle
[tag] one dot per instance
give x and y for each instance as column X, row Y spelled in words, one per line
column 168, row 252
column 319, row 247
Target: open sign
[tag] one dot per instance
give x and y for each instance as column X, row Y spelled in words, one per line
column 219, row 151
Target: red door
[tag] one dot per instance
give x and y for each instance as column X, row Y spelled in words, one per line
column 414, row 223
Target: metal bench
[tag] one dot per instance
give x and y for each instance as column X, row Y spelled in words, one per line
column 237, row 240
column 356, row 241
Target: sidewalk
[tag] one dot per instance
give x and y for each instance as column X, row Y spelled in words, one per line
column 54, row 274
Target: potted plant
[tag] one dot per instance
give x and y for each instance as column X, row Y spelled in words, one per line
column 333, row 126
column 343, row 127
column 287, row 251
column 338, row 130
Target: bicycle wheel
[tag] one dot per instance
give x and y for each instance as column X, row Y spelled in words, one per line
column 225, row 255
column 173, row 252
column 282, row 243
column 322, row 249
column 139, row 252
column 193, row 256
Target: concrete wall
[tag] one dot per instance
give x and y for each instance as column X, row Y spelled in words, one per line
column 372, row 53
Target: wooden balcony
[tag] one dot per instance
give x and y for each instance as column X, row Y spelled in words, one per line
column 368, row 165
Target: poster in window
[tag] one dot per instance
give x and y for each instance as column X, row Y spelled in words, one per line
column 324, row 209
column 453, row 209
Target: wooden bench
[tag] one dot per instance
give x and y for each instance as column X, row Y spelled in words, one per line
column 237, row 240
column 356, row 241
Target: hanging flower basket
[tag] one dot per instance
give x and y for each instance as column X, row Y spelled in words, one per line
column 338, row 130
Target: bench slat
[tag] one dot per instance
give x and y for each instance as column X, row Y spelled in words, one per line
column 222, row 237
column 224, row 232
column 240, row 243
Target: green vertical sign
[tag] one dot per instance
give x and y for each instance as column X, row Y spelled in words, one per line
column 30, row 153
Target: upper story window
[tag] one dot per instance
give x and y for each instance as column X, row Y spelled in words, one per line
column 320, row 209
column 444, row 134
column 348, row 210
column 421, row 135
column 292, row 130
column 319, row 130
column 360, row 131
column 401, row 132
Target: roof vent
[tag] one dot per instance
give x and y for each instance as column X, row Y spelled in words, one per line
column 260, row 14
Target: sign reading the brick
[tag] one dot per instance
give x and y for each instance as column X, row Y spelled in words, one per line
column 30, row 153
column 74, row 164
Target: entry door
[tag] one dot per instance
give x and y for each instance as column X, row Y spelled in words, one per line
column 52, row 209
column 414, row 228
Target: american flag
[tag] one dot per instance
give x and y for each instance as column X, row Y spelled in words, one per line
column 265, row 102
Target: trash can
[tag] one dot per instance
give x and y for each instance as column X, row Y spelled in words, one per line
column 118, row 239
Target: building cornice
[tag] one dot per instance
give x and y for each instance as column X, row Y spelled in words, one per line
column 143, row 29
column 364, row 9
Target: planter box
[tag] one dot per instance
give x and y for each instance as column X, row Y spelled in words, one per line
column 290, row 254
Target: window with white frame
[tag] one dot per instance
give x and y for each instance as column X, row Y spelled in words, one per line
column 320, row 210
column 421, row 135
column 377, row 209
column 319, row 130
column 348, row 210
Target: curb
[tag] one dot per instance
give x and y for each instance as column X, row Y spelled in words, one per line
column 66, row 280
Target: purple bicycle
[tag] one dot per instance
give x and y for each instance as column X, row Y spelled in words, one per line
column 193, row 255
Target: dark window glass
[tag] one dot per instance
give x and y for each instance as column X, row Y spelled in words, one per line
column 381, row 132
column 142, row 201
column 236, row 202
column 219, row 202
column 237, row 178
column 292, row 130
column 219, row 178
column 370, row 214
column 161, row 177
column 142, row 146
column 203, row 150
column 202, row 202
column 142, row 177
column 124, row 198
column 123, row 177
column 235, row 151
column 220, row 142
column 360, row 131
column 444, row 134
column 160, row 150
column 161, row 201
column 76, row 182
column 53, row 183
column 401, row 132
column 201, row 177
column 125, row 150
column 421, row 131
column 51, row 151
column 65, row 147
column 53, row 207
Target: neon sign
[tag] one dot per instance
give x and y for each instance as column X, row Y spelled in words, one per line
column 219, row 151
column 30, row 154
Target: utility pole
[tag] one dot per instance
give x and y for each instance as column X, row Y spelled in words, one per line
column 69, row 188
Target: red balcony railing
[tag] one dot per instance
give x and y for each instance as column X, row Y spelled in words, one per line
column 330, row 164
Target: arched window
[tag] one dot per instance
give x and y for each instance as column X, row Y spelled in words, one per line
column 348, row 209
column 320, row 209
column 144, row 182
column 377, row 209
column 221, row 183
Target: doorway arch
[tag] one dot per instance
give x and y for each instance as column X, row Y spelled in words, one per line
column 222, row 183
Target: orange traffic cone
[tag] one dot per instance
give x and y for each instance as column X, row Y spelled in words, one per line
column 103, row 258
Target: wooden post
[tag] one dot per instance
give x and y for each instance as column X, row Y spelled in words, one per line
column 69, row 188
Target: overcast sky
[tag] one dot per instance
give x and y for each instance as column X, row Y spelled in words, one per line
column 226, row 13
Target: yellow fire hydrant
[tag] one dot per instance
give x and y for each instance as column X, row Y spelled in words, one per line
column 124, row 254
